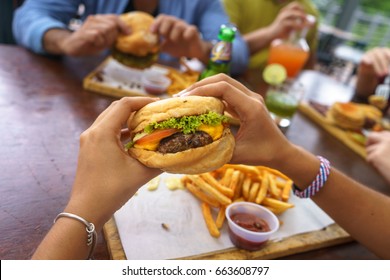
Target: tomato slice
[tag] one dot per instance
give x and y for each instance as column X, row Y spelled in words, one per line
column 156, row 136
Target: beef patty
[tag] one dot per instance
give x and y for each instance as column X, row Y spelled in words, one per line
column 180, row 142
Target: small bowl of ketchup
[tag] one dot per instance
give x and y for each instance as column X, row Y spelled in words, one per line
column 155, row 82
column 250, row 225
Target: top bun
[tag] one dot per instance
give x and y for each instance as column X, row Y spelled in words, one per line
column 141, row 41
column 173, row 108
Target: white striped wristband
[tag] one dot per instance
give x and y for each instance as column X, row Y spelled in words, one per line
column 318, row 182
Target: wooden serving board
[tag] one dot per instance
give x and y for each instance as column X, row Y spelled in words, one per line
column 339, row 133
column 331, row 235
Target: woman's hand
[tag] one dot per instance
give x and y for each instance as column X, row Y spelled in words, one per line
column 106, row 175
column 291, row 17
column 258, row 140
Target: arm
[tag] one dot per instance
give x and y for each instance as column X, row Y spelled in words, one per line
column 358, row 209
column 97, row 33
column 34, row 18
column 42, row 27
column 378, row 151
column 104, row 181
column 373, row 66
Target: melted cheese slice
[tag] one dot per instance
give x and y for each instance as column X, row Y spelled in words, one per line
column 214, row 131
column 152, row 146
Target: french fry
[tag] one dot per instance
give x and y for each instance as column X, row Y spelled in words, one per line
column 220, row 217
column 277, row 204
column 238, row 190
column 253, row 191
column 208, row 218
column 261, row 194
column 245, row 187
column 181, row 80
column 244, row 168
column 213, row 182
column 280, row 183
column 234, row 181
column 227, row 177
column 273, row 189
column 286, row 191
column 274, row 171
column 220, row 197
column 195, row 190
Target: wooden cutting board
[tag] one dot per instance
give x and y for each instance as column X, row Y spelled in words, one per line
column 329, row 236
column 339, row 133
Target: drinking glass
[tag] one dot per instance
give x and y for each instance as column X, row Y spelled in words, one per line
column 282, row 102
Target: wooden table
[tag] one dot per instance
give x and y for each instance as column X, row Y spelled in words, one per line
column 43, row 110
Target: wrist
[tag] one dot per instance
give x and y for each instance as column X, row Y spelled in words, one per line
column 204, row 55
column 298, row 164
column 54, row 41
column 92, row 213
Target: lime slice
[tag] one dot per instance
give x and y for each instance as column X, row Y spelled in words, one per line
column 274, row 74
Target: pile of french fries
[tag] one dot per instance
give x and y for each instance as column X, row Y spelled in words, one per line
column 217, row 189
column 181, row 80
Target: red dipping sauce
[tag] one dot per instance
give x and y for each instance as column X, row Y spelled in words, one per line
column 248, row 222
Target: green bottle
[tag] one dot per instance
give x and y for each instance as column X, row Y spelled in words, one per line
column 221, row 53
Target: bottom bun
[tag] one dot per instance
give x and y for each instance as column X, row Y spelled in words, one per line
column 192, row 161
column 134, row 61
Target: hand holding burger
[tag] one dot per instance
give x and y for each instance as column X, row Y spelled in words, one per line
column 188, row 135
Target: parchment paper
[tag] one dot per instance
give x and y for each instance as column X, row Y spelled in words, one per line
column 140, row 220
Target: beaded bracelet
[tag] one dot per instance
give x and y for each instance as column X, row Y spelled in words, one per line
column 318, row 182
column 90, row 228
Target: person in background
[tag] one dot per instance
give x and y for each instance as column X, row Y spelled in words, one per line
column 378, row 152
column 373, row 68
column 106, row 180
column 262, row 21
column 43, row 27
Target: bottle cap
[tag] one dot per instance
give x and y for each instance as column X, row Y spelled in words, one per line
column 227, row 33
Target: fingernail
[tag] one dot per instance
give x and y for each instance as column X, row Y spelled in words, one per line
column 181, row 93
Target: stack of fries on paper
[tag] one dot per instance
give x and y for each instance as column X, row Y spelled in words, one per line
column 230, row 183
column 181, row 80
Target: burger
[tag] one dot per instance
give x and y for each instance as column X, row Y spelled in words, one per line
column 186, row 135
column 354, row 116
column 139, row 49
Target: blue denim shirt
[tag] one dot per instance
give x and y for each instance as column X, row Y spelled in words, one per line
column 35, row 17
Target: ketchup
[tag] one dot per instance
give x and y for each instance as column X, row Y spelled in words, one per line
column 249, row 222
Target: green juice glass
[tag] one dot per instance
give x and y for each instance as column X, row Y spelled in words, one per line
column 282, row 102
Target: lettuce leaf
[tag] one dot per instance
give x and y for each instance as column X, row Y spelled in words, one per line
column 188, row 124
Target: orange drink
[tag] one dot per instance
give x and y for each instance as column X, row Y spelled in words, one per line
column 291, row 56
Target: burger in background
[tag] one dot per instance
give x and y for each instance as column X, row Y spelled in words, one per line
column 186, row 135
column 139, row 49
